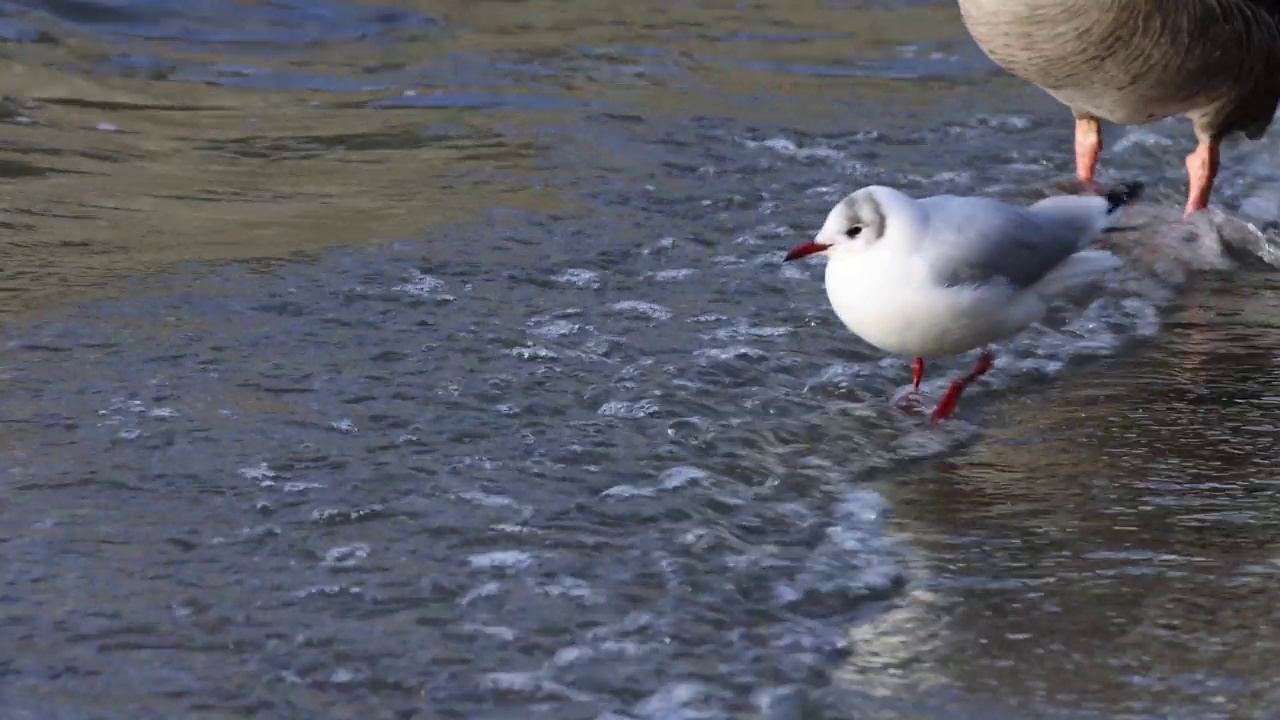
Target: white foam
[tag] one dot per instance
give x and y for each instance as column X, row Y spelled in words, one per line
column 345, row 426
column 628, row 491
column 484, row 499
column 533, row 683
column 789, row 148
column 345, row 556
column 483, row 590
column 648, row 309
column 257, row 472
column 1005, row 122
column 556, row 328
column 626, row 409
column 679, row 700
column 534, row 352
column 500, row 632
column 674, row 274
column 576, row 588
column 742, row 330
column 736, row 352
column 511, row 559
column 579, row 277
column 420, row 285
column 682, row 475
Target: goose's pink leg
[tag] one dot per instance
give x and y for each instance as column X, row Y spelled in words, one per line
column 1202, row 168
column 1088, row 146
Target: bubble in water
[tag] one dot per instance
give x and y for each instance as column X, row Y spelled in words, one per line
column 345, row 556
column 579, row 277
column 648, row 309
column 534, row 352
column 628, row 491
column 680, row 476
column 1004, row 122
column 500, row 632
column 344, row 426
column 488, row 500
column 533, row 683
column 737, row 352
column 513, row 559
column 674, row 274
column 677, row 700
column 566, row 586
column 421, row 286
column 624, row 409
column 556, row 328
column 257, row 472
column 342, row 676
column 742, row 330
column 786, row 147
column 484, row 590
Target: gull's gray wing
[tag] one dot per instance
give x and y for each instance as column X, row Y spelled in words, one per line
column 976, row 241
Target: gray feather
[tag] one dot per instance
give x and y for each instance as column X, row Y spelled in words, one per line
column 980, row 241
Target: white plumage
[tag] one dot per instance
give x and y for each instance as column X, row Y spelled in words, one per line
column 943, row 275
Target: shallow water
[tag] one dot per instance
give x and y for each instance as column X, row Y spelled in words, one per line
column 436, row 360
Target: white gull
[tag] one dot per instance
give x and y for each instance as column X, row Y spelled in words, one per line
column 942, row 275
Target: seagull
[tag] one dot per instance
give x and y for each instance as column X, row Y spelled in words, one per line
column 943, row 275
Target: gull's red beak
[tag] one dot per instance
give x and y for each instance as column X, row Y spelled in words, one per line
column 800, row 251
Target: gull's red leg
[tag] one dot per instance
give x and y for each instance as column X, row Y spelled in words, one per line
column 947, row 404
column 917, row 373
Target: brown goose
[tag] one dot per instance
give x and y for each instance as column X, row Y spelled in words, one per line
column 1136, row 61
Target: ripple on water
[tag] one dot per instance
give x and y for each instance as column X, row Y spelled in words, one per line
column 726, row 354
column 421, row 285
column 743, row 330
column 650, row 310
column 345, row 556
column 556, row 328
column 856, row 561
column 645, row 567
column 674, row 274
column 261, row 471
column 501, row 559
column 534, row 352
column 629, row 409
column 671, row 479
column 579, row 277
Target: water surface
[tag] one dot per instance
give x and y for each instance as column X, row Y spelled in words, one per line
column 437, row 360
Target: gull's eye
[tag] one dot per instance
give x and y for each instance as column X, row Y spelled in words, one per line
column 853, row 231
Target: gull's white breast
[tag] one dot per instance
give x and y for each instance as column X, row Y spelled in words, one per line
column 889, row 298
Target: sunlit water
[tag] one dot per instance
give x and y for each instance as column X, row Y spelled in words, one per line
column 437, row 360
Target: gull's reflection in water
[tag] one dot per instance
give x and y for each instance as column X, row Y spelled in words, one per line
column 1111, row 546
column 893, row 653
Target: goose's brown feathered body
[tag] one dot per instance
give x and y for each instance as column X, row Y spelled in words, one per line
column 1135, row 61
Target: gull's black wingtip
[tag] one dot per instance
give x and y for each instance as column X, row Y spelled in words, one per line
column 1123, row 194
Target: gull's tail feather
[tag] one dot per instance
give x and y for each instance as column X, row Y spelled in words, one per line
column 1123, row 194
column 1086, row 217
column 1077, row 270
column 1087, row 265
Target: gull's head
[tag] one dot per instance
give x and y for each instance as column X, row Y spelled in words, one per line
column 856, row 221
